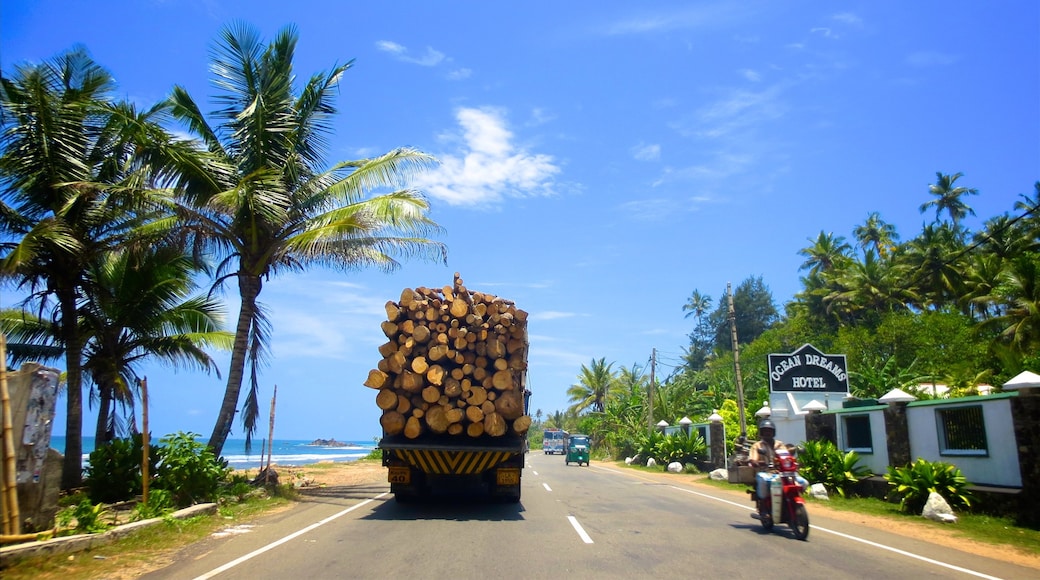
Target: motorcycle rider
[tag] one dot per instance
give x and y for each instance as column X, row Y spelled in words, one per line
column 763, row 455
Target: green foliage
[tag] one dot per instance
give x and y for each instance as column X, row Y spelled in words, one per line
column 822, row 462
column 680, row 447
column 646, row 445
column 160, row 504
column 85, row 514
column 189, row 470
column 912, row 484
column 114, row 473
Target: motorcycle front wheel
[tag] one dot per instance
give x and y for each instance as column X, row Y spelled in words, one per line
column 800, row 522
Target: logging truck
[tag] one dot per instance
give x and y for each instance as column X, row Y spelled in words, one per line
column 451, row 385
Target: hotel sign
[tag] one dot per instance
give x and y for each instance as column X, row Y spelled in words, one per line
column 808, row 370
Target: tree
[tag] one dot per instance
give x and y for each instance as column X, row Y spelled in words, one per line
column 697, row 304
column 72, row 167
column 876, row 234
column 260, row 200
column 139, row 307
column 948, row 198
column 826, row 252
column 754, row 313
column 592, row 388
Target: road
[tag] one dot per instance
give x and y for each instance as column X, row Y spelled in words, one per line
column 572, row 522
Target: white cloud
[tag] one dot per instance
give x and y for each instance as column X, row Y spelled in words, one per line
column 848, row 18
column 647, row 152
column 751, row 75
column 823, row 30
column 488, row 166
column 552, row 315
column 430, row 58
column 460, row 74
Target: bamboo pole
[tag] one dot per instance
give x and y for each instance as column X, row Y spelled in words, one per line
column 12, row 517
column 270, row 438
column 144, row 439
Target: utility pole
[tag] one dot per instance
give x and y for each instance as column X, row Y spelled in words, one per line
column 650, row 390
column 736, row 364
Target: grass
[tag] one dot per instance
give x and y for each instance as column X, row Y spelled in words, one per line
column 139, row 552
column 998, row 531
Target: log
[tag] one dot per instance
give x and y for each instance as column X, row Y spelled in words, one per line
column 521, row 424
column 494, row 425
column 392, row 422
column 435, row 375
column 510, row 405
column 431, row 394
column 502, row 380
column 412, row 427
column 475, row 429
column 386, row 399
column 437, row 419
column 376, row 379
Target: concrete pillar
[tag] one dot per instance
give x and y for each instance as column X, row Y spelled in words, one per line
column 717, row 435
column 1025, row 414
column 897, row 431
column 820, row 427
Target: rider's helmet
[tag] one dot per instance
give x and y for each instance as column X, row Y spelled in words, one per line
column 766, row 424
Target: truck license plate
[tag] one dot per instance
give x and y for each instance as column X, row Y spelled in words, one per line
column 507, row 477
column 400, row 475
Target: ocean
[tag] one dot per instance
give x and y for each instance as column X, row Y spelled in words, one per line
column 284, row 452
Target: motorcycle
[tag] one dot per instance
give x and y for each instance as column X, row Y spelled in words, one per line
column 785, row 503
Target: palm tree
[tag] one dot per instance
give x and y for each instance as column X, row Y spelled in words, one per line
column 262, row 203
column 876, row 233
column 826, row 253
column 139, row 307
column 594, row 383
column 936, row 257
column 697, row 305
column 948, row 198
column 1019, row 325
column 71, row 179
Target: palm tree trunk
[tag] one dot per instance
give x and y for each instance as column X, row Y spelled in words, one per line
column 104, row 411
column 72, row 468
column 249, row 288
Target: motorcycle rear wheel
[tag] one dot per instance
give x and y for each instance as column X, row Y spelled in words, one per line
column 800, row 522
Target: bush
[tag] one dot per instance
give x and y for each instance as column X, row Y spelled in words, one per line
column 680, row 447
column 822, row 462
column 160, row 504
column 87, row 516
column 912, row 484
column 189, row 470
column 114, row 473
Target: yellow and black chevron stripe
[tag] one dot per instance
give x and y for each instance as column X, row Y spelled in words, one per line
column 452, row 462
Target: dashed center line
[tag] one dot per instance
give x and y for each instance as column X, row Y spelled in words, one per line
column 577, row 528
column 546, row 486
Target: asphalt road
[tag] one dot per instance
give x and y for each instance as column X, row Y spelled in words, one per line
column 572, row 522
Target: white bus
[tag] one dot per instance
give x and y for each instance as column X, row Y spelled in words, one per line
column 554, row 441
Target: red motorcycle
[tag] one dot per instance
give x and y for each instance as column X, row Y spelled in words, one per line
column 785, row 503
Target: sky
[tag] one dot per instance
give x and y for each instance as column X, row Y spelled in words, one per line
column 598, row 162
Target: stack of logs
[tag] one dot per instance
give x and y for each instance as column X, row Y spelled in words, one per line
column 455, row 363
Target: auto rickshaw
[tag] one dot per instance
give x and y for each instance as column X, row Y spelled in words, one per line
column 578, row 449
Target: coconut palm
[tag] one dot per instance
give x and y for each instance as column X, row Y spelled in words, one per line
column 140, row 308
column 71, row 182
column 877, row 234
column 262, row 202
column 826, row 253
column 697, row 304
column 592, row 388
column 948, row 198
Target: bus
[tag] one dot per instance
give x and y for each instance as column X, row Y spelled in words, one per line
column 554, row 441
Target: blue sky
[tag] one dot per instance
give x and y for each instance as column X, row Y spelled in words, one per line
column 599, row 161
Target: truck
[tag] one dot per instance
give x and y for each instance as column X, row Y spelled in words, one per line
column 451, row 385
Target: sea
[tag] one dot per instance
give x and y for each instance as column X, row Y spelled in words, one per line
column 284, row 452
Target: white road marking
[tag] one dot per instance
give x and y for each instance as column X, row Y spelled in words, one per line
column 546, row 486
column 291, row 536
column 534, row 472
column 853, row 538
column 577, row 528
